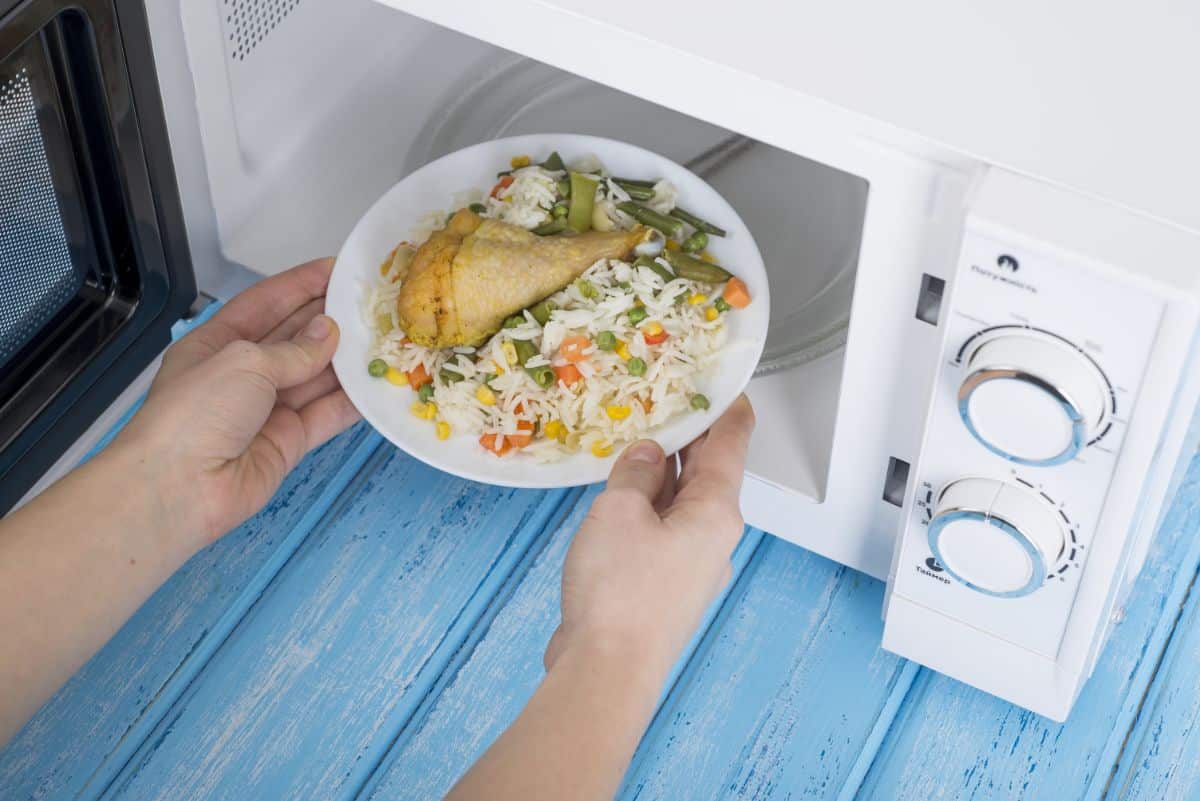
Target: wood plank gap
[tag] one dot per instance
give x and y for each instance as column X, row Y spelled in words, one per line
column 745, row 560
column 425, row 705
column 902, row 683
column 1146, row 702
column 533, row 529
column 351, row 472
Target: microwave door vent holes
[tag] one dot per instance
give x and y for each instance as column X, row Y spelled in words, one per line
column 248, row 22
column 37, row 275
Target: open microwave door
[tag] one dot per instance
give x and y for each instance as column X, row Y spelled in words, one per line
column 94, row 265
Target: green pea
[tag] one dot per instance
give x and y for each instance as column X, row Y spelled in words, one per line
column 606, row 340
column 558, row 211
column 514, row 321
column 377, row 368
column 478, row 208
column 636, row 315
column 425, row 392
column 695, row 243
column 587, row 289
column 721, row 305
column 637, row 366
column 699, row 401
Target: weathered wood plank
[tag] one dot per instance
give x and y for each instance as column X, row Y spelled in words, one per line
column 1161, row 756
column 951, row 741
column 314, row 684
column 782, row 695
column 496, row 678
column 128, row 684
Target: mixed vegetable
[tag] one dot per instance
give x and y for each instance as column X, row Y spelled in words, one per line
column 575, row 210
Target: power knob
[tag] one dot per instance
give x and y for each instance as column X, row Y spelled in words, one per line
column 997, row 538
column 1032, row 398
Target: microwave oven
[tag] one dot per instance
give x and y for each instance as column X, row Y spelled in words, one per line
column 978, row 380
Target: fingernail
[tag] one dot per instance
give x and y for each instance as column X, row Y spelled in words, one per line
column 644, row 451
column 318, row 328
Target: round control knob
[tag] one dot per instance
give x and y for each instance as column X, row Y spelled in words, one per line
column 995, row 537
column 1032, row 398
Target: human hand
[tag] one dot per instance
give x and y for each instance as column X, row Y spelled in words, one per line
column 238, row 402
column 654, row 550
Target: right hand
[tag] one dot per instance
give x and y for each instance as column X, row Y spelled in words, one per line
column 654, row 551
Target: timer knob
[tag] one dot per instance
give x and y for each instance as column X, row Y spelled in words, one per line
column 1032, row 398
column 997, row 538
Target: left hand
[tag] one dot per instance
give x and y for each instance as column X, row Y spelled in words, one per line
column 238, row 403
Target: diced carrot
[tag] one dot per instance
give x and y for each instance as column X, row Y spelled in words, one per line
column 501, row 185
column 653, row 333
column 568, row 374
column 572, row 348
column 525, row 427
column 488, row 441
column 736, row 293
column 419, row 377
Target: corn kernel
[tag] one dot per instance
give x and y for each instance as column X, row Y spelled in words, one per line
column 499, row 367
column 418, row 410
column 485, row 395
column 430, row 410
column 510, row 352
column 396, row 377
column 617, row 412
column 672, row 244
column 556, row 430
column 711, row 314
column 622, row 350
column 506, row 199
column 601, row 448
column 697, row 299
column 443, row 430
column 652, row 329
column 517, row 162
column 708, row 257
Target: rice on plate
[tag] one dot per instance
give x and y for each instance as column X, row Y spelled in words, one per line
column 602, row 362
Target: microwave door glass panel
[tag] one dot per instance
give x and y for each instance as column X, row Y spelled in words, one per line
column 38, row 277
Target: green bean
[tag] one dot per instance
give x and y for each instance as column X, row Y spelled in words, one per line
column 554, row 226
column 564, row 187
column 721, row 305
column 553, row 162
column 696, row 222
column 606, row 340
column 425, row 392
column 636, row 366
column 668, row 225
column 654, row 264
column 377, row 368
column 526, row 350
column 634, row 190
column 514, row 321
column 558, row 210
column 635, row 182
column 543, row 376
column 695, row 243
column 541, row 310
column 583, row 197
column 699, row 401
column 694, row 269
column 503, row 173
column 478, row 208
column 636, row 315
column 450, row 376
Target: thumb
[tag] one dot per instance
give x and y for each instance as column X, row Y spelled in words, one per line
column 642, row 467
column 302, row 357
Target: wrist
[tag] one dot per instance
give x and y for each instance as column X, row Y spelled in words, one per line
column 619, row 661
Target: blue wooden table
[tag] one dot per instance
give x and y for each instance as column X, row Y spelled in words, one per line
column 374, row 628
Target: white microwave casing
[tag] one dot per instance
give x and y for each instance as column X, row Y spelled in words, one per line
column 288, row 121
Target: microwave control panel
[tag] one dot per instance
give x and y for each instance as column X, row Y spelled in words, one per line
column 1040, row 371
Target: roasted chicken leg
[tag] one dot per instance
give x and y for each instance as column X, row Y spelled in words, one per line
column 471, row 275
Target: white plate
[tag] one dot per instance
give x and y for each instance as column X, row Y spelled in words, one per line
column 394, row 216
